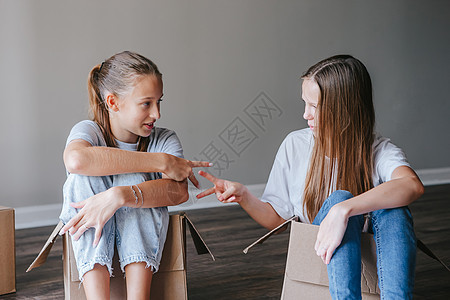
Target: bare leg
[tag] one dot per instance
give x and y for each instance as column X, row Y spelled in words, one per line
column 96, row 283
column 139, row 281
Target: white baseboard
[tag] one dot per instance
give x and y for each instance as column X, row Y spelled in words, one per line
column 37, row 216
column 45, row 215
column 434, row 176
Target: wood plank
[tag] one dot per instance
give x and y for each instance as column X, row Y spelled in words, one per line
column 234, row 275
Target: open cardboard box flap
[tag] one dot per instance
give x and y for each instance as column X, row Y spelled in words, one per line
column 173, row 264
column 304, row 266
column 307, row 274
column 42, row 256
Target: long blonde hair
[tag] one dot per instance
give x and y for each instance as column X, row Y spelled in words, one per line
column 116, row 75
column 342, row 153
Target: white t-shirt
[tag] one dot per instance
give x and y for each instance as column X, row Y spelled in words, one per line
column 286, row 184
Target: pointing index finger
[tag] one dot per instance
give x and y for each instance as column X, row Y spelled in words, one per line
column 208, row 176
column 199, row 164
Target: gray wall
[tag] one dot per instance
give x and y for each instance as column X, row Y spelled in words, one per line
column 216, row 57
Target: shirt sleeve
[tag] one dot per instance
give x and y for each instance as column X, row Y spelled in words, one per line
column 387, row 157
column 89, row 131
column 276, row 192
column 172, row 144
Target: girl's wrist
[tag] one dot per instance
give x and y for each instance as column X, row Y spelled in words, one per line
column 122, row 196
column 244, row 195
column 343, row 209
column 161, row 162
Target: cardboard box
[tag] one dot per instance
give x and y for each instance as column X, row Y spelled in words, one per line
column 306, row 275
column 169, row 282
column 7, row 251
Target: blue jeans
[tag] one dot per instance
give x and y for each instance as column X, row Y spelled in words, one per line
column 396, row 252
column 138, row 233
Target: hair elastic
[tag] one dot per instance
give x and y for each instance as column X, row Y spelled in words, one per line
column 101, row 66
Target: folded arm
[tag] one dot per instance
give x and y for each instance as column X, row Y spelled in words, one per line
column 404, row 188
column 80, row 157
column 98, row 209
column 83, row 159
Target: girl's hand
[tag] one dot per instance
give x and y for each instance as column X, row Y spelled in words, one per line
column 95, row 212
column 331, row 232
column 226, row 191
column 179, row 169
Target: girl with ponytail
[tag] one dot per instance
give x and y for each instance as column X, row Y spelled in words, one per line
column 123, row 172
column 333, row 173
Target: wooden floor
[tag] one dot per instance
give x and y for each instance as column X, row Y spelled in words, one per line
column 234, row 275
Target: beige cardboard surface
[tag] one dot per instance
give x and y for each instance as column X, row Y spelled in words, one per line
column 7, row 251
column 169, row 283
column 172, row 272
column 306, row 275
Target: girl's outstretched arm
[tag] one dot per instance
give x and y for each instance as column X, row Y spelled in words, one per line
column 98, row 209
column 404, row 188
column 80, row 157
column 228, row 191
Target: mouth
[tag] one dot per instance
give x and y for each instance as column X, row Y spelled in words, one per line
column 149, row 126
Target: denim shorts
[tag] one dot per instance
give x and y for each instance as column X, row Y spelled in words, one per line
column 138, row 233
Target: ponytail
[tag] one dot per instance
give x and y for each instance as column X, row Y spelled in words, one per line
column 100, row 113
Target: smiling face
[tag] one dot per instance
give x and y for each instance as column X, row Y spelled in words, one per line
column 134, row 114
column 310, row 95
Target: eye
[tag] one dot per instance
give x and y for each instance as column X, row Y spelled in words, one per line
column 159, row 101
column 146, row 103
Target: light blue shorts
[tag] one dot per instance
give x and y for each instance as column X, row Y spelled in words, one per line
column 138, row 233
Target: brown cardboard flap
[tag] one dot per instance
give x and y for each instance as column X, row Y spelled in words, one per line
column 172, row 257
column 199, row 243
column 430, row 253
column 261, row 240
column 42, row 256
column 302, row 262
column 304, row 265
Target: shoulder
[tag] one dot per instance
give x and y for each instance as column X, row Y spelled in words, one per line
column 297, row 144
column 165, row 140
column 162, row 134
column 382, row 145
column 87, row 130
column 301, row 136
column 86, row 125
column 298, row 140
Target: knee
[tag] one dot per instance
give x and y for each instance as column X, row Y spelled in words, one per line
column 398, row 220
column 338, row 196
column 400, row 216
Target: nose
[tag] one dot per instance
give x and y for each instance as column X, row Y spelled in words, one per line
column 154, row 112
column 308, row 115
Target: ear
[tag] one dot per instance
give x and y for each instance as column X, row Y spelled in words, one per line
column 112, row 102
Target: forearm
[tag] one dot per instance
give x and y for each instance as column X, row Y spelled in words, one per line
column 262, row 212
column 395, row 193
column 155, row 193
column 104, row 161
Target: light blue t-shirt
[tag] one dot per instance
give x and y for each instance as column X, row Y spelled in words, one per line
column 161, row 140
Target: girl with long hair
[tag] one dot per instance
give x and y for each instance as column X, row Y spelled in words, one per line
column 123, row 172
column 335, row 172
